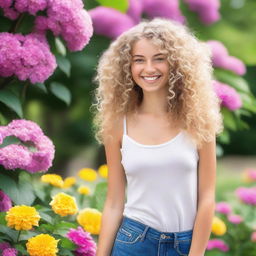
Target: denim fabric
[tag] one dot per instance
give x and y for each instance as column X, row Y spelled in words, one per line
column 134, row 238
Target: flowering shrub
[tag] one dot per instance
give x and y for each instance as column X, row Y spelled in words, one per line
column 234, row 225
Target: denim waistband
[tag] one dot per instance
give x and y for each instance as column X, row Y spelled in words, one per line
column 154, row 233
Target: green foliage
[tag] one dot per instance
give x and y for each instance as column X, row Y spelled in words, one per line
column 61, row 92
column 121, row 5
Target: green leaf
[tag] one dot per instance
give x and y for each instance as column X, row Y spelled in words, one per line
column 61, row 92
column 60, row 46
column 48, row 218
column 65, row 252
column 63, row 227
column 2, row 218
column 11, row 101
column 229, row 120
column 67, row 244
column 10, row 187
column 9, row 140
column 25, row 235
column 21, row 249
column 64, row 65
column 224, row 137
column 26, row 194
column 12, row 234
column 233, row 80
column 41, row 86
column 46, row 228
column 121, row 5
column 99, row 196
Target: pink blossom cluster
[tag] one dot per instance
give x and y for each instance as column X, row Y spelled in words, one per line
column 5, row 202
column 217, row 244
column 247, row 195
column 228, row 95
column 7, row 250
column 13, row 8
column 221, row 58
column 19, row 156
column 85, row 244
column 235, row 218
column 68, row 19
column 208, row 10
column 27, row 57
column 223, row 207
column 251, row 173
column 253, row 236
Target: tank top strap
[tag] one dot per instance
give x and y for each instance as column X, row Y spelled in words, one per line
column 125, row 124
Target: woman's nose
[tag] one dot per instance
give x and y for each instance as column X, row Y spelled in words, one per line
column 149, row 66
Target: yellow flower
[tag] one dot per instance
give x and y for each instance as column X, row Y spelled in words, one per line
column 42, row 245
column 218, row 226
column 53, row 179
column 88, row 174
column 90, row 220
column 103, row 171
column 69, row 182
column 22, row 217
column 64, row 204
column 84, row 190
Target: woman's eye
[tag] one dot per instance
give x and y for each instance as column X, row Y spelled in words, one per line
column 138, row 60
column 160, row 59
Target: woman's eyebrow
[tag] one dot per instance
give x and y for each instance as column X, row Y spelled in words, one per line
column 137, row 55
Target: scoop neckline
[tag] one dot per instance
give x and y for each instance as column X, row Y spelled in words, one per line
column 152, row 145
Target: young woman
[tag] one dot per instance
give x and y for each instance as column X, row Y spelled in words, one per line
column 158, row 117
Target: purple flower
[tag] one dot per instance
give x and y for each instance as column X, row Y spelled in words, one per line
column 85, row 244
column 68, row 19
column 164, row 9
column 4, row 245
column 5, row 202
column 110, row 22
column 221, row 58
column 29, row 6
column 10, row 252
column 228, row 95
column 27, row 57
column 217, row 244
column 223, row 207
column 135, row 10
column 235, row 219
column 251, row 174
column 18, row 156
column 208, row 10
column 247, row 195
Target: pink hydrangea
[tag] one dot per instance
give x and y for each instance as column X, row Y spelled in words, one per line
column 10, row 252
column 164, row 9
column 221, row 58
column 223, row 207
column 228, row 95
column 68, row 19
column 85, row 244
column 110, row 22
column 253, row 236
column 235, row 219
column 19, row 156
column 135, row 10
column 208, row 10
column 247, row 195
column 4, row 245
column 27, row 57
column 217, row 244
column 251, row 173
column 5, row 202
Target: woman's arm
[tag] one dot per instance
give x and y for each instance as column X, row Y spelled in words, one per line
column 114, row 204
column 206, row 199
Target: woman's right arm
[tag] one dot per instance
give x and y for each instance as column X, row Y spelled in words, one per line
column 115, row 200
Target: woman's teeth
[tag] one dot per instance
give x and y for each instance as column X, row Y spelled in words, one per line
column 150, row 78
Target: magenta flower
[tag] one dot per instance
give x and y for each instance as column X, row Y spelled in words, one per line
column 228, row 95
column 217, row 244
column 68, row 19
column 164, row 9
column 221, row 58
column 247, row 195
column 110, row 22
column 251, row 174
column 223, row 207
column 5, row 202
column 27, row 57
column 4, row 245
column 10, row 252
column 29, row 6
column 253, row 236
column 235, row 219
column 19, row 156
column 85, row 244
column 208, row 10
column 135, row 10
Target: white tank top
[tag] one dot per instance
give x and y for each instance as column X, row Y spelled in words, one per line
column 161, row 182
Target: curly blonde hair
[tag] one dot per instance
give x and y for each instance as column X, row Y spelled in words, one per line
column 191, row 97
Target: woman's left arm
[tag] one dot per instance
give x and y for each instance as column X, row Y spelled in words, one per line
column 206, row 199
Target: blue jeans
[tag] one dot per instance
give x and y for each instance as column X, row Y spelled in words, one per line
column 134, row 238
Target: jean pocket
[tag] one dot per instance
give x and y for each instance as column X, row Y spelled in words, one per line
column 183, row 247
column 127, row 236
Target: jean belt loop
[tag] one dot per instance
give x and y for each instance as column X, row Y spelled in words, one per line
column 144, row 234
column 176, row 242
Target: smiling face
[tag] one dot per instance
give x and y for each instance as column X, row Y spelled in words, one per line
column 149, row 67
